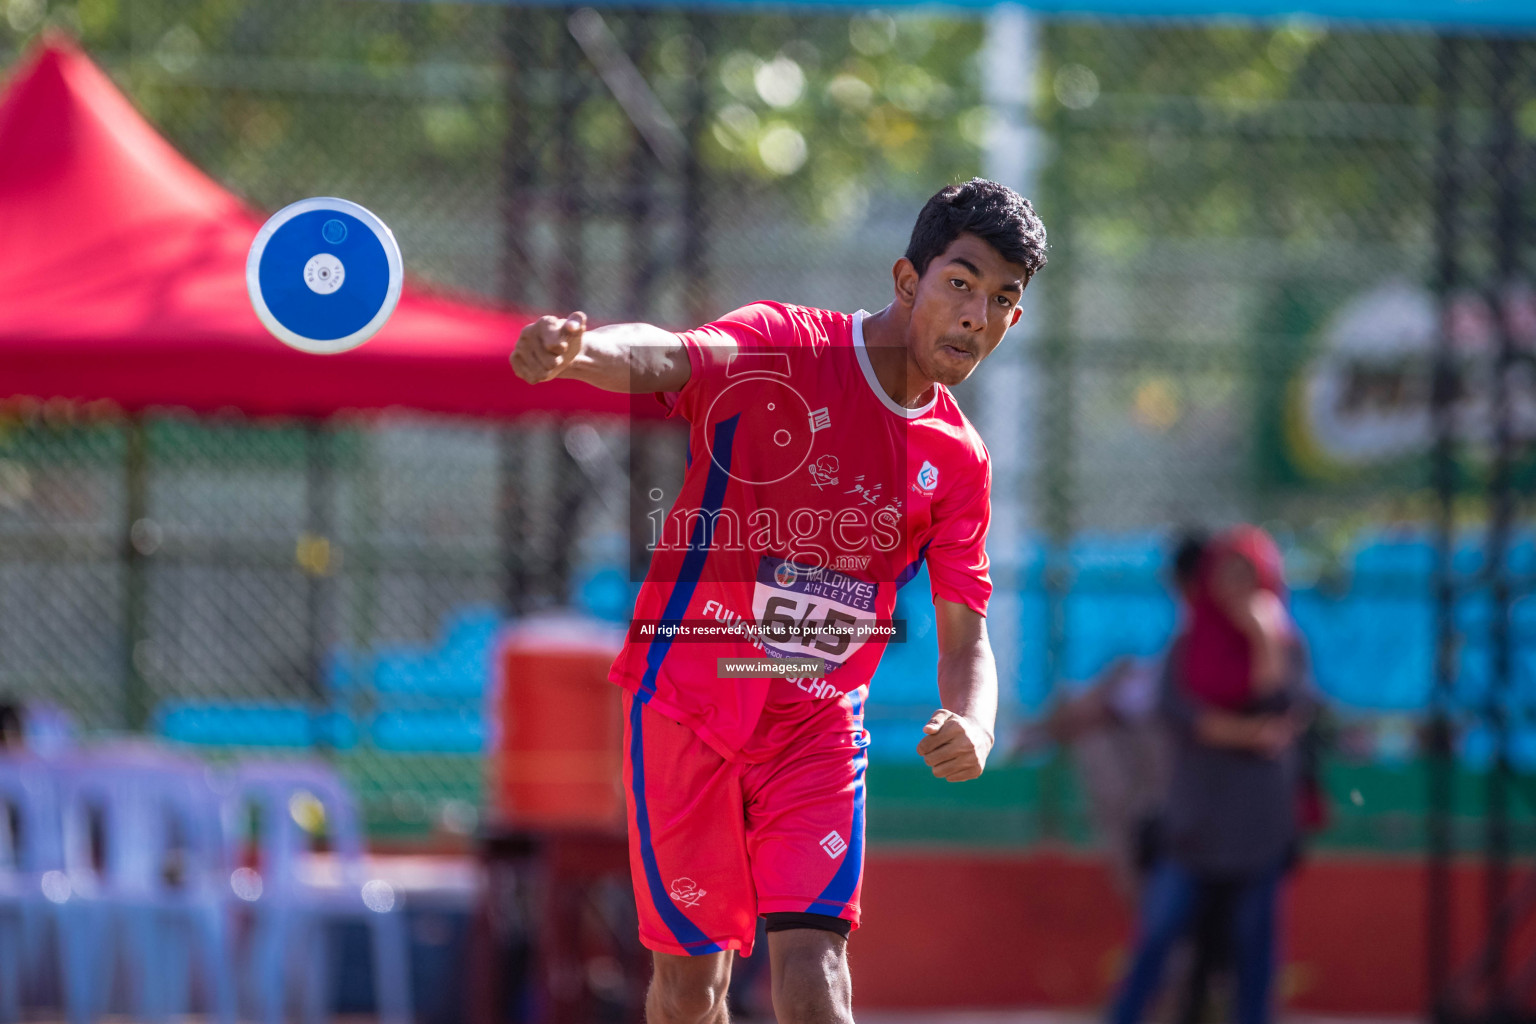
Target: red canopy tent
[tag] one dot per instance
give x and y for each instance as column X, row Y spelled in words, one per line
column 122, row 278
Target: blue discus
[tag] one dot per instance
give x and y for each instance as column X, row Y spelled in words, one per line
column 324, row 274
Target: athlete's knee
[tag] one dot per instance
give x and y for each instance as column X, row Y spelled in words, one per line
column 811, row 983
column 688, row 990
column 673, row 1004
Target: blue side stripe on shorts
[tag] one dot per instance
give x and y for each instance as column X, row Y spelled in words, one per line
column 840, row 890
column 699, row 544
column 685, row 931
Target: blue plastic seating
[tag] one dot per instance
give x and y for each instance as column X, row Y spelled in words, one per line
column 290, row 903
column 157, row 898
column 31, row 869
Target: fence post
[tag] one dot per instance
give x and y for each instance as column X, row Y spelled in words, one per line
column 1447, row 198
column 1057, row 511
column 136, row 549
column 317, row 556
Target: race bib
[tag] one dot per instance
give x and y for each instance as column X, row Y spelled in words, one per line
column 807, row 611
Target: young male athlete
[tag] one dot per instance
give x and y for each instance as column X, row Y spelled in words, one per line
column 827, row 462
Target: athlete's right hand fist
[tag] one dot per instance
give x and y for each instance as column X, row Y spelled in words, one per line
column 547, row 347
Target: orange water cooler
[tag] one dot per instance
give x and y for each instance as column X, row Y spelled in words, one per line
column 555, row 757
column 553, row 845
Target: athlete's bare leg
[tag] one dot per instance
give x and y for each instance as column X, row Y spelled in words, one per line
column 688, row 989
column 811, row 984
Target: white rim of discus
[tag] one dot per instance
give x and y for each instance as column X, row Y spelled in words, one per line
column 391, row 295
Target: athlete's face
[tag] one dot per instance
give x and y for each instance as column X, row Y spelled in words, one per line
column 961, row 306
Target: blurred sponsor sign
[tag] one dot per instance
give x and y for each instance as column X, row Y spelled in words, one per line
column 1363, row 400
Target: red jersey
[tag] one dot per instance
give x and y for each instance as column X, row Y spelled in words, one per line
column 810, row 497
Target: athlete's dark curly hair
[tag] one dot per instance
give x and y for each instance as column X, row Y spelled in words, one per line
column 995, row 213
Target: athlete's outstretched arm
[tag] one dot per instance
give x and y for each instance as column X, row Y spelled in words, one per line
column 628, row 358
column 960, row 734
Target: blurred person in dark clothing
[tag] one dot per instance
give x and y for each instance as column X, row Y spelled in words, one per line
column 748, row 999
column 1119, row 744
column 1121, row 750
column 13, row 733
column 13, row 740
column 1236, row 696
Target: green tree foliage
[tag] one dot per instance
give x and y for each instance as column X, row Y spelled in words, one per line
column 1288, row 131
column 284, row 97
column 836, row 106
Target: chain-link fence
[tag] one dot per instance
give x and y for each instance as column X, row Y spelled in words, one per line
column 1258, row 229
column 1249, row 226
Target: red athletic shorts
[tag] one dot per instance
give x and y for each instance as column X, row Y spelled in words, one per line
column 713, row 843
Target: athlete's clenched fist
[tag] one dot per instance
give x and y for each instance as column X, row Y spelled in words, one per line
column 547, row 347
column 954, row 747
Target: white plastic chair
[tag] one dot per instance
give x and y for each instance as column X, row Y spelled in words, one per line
column 31, row 860
column 159, row 900
column 289, row 954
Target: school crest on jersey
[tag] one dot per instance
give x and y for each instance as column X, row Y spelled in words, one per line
column 927, row 479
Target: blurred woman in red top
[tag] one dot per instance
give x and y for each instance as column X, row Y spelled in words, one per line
column 1240, row 630
column 1236, row 696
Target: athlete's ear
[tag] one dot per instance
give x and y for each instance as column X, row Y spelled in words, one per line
column 905, row 277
